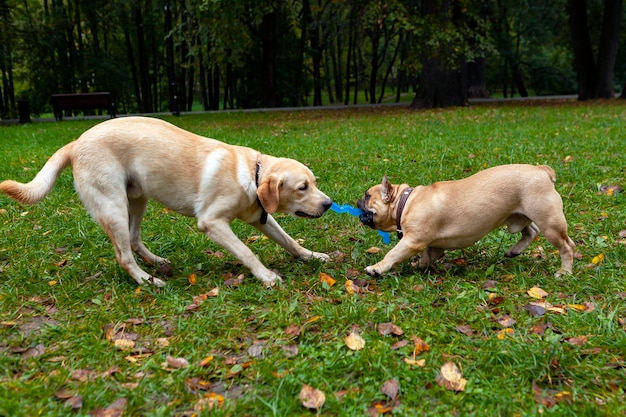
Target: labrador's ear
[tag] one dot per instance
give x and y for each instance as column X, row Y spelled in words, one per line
column 386, row 191
column 269, row 193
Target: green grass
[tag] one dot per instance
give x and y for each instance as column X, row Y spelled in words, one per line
column 61, row 288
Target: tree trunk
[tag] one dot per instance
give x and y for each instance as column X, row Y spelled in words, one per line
column 607, row 50
column 268, row 66
column 476, row 79
column 144, row 75
column 439, row 86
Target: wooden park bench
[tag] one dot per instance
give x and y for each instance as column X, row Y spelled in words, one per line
column 83, row 101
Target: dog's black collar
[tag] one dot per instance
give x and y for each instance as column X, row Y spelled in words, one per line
column 405, row 195
column 256, row 180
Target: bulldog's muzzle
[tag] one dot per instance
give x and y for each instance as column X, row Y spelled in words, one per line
column 366, row 217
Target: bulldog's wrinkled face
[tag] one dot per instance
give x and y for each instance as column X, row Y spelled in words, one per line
column 376, row 206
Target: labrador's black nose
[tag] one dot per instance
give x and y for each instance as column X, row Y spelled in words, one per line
column 326, row 204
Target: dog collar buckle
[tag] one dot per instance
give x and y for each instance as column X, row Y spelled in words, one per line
column 405, row 196
column 256, row 180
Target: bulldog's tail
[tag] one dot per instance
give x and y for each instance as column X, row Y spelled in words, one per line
column 550, row 172
column 34, row 191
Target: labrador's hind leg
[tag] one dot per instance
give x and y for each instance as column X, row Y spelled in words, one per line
column 136, row 211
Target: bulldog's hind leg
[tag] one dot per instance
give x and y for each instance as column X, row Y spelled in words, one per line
column 529, row 233
column 430, row 256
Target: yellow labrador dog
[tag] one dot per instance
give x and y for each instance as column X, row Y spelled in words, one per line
column 456, row 214
column 120, row 164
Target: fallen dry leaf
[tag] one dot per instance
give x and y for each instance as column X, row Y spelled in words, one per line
column 351, row 288
column 389, row 328
column 116, row 409
column 192, row 279
column 578, row 340
column 354, row 341
column 312, row 398
column 466, row 329
column 373, row 250
column 210, row 401
column 420, row 346
column 537, row 292
column 502, row 334
column 204, row 362
column 398, row 345
column 415, row 362
column 325, row 278
column 391, row 388
column 506, row 321
column 175, row 363
column 451, row 377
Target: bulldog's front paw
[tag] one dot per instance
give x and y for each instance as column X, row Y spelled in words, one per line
column 270, row 279
column 308, row 255
column 373, row 271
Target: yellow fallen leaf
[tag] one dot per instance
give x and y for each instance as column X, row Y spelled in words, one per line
column 124, row 344
column 350, row 287
column 52, row 283
column 311, row 397
column 577, row 307
column 597, row 259
column 537, row 292
column 205, row 361
column 192, row 279
column 313, row 319
column 415, row 362
column 354, row 341
column 504, row 332
column 327, row 279
column 138, row 290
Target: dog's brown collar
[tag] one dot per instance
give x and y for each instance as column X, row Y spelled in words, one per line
column 405, row 196
column 256, row 180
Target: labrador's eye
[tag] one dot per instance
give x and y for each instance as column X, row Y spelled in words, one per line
column 304, row 187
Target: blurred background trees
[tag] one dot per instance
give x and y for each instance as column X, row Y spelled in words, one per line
column 155, row 55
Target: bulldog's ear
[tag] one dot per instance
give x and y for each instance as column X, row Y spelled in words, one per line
column 386, row 192
column 269, row 193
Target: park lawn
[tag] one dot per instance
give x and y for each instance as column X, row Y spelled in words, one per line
column 78, row 336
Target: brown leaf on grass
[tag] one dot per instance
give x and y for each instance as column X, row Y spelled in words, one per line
column 550, row 398
column 382, row 407
column 174, row 363
column 115, row 409
column 420, row 346
column 290, row 350
column 389, row 328
column 233, row 282
column 256, row 350
column 33, row 352
column 399, row 344
column 610, row 189
column 192, row 279
column 391, row 388
column 204, row 362
column 373, row 250
column 535, row 309
column 506, row 321
column 311, row 397
column 451, row 378
column 83, row 375
column 353, row 273
column 577, row 340
column 466, row 329
column 354, row 341
column 489, row 284
column 292, row 330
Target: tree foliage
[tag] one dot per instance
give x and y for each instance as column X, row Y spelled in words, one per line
column 157, row 55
